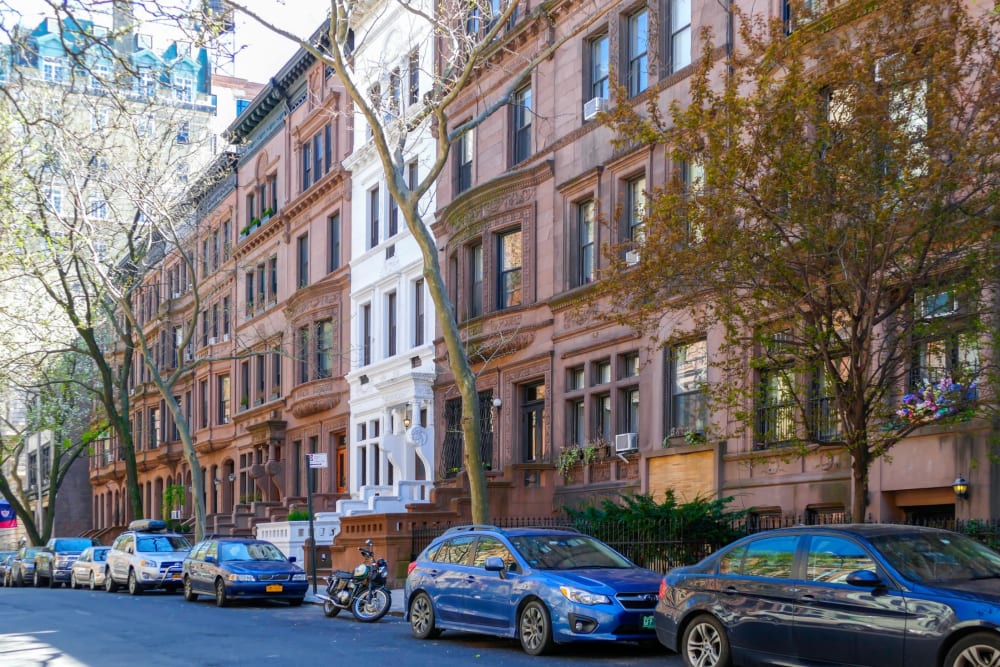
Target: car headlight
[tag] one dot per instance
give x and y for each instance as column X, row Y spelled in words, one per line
column 583, row 597
column 149, row 563
column 299, row 577
column 241, row 577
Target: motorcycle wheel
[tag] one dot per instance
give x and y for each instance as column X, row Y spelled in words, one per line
column 329, row 609
column 370, row 606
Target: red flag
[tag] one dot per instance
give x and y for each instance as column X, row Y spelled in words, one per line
column 8, row 519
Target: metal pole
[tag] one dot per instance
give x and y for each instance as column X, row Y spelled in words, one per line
column 312, row 534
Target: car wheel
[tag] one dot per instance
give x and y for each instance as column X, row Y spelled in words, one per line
column 37, row 580
column 53, row 583
column 133, row 584
column 221, row 599
column 535, row 629
column 329, row 609
column 189, row 593
column 19, row 582
column 92, row 580
column 973, row 650
column 109, row 582
column 422, row 617
column 72, row 581
column 705, row 643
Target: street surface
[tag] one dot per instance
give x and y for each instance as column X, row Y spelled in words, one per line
column 64, row 628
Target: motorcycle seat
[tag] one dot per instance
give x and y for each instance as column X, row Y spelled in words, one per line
column 341, row 574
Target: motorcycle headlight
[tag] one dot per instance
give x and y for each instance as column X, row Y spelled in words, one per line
column 583, row 597
column 241, row 577
column 299, row 577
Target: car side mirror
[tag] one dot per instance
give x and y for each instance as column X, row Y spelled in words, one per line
column 864, row 579
column 495, row 564
column 292, row 559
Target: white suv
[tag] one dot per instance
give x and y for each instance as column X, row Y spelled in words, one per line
column 146, row 556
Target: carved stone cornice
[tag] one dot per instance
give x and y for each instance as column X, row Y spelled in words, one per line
column 316, row 396
column 515, row 189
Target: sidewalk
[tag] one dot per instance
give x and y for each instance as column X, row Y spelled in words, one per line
column 395, row 610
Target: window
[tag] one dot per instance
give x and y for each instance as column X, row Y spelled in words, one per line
column 832, row 559
column 366, row 334
column 251, row 210
column 638, row 52
column 272, row 287
column 276, row 373
column 824, row 418
column 249, row 291
column 688, row 376
column 586, row 244
column 522, row 110
column 770, row 557
column 184, row 132
column 260, row 376
column 509, row 278
column 98, row 208
column 532, row 419
column 318, row 152
column 272, row 185
column 390, row 318
column 635, row 209
column 629, row 419
column 302, row 271
column 54, row 70
column 693, row 175
column 680, row 34
column 203, row 403
column 302, row 354
column 307, row 166
column 373, row 221
column 476, row 280
column 463, row 162
column 227, row 245
column 244, row 385
column 418, row 312
column 223, row 405
column 775, row 410
column 393, row 216
column 145, row 82
column 225, row 316
column 577, row 419
column 333, row 243
column 414, row 73
column 599, row 67
column 324, row 348
column 395, row 93
column 183, row 87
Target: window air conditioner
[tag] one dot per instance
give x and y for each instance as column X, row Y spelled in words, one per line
column 177, row 295
column 626, row 442
column 594, row 106
column 632, row 257
column 213, row 340
column 225, row 338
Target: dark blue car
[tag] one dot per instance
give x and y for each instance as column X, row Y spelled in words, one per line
column 233, row 568
column 866, row 594
column 542, row 586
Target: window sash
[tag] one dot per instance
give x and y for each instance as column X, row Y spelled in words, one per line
column 638, row 52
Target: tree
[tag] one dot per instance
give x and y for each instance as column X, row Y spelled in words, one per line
column 60, row 407
column 833, row 215
column 459, row 56
column 95, row 199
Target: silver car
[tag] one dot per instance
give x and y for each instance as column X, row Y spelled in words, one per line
column 88, row 570
column 146, row 556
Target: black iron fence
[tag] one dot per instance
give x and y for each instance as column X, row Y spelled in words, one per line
column 660, row 545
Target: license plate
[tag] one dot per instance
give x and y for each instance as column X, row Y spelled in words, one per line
column 648, row 622
column 175, row 576
column 274, row 588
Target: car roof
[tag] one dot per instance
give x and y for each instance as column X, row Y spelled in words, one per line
column 510, row 532
column 862, row 530
column 237, row 540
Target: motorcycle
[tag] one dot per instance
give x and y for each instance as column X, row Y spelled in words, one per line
column 363, row 591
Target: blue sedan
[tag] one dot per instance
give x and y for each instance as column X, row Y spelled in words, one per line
column 542, row 586
column 864, row 594
column 234, row 568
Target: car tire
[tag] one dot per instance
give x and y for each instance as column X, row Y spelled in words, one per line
column 92, row 580
column 37, row 582
column 221, row 599
column 705, row 643
column 422, row 617
column 534, row 628
column 72, row 581
column 53, row 583
column 189, row 593
column 109, row 582
column 981, row 648
column 134, row 588
column 19, row 581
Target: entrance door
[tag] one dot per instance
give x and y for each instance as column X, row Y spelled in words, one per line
column 532, row 422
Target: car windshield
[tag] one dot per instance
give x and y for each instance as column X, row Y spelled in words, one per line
column 252, row 551
column 100, row 555
column 162, row 543
column 938, row 557
column 567, row 552
column 72, row 544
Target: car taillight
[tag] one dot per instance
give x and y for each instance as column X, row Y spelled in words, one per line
column 663, row 588
column 409, row 568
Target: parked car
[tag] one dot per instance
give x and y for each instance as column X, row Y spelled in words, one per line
column 53, row 562
column 5, row 559
column 88, row 569
column 144, row 557
column 866, row 594
column 233, row 568
column 542, row 586
column 22, row 568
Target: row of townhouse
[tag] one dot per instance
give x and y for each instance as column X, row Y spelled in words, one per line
column 322, row 336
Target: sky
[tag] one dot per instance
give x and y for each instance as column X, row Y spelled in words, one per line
column 260, row 53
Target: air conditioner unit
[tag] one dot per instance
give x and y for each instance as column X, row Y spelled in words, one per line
column 213, row 340
column 225, row 338
column 187, row 355
column 594, row 106
column 177, row 295
column 626, row 442
column 632, row 257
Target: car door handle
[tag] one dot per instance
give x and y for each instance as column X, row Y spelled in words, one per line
column 807, row 599
column 730, row 590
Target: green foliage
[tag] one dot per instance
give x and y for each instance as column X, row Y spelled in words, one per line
column 173, row 498
column 297, row 515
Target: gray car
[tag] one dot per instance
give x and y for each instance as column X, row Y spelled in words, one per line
column 88, row 570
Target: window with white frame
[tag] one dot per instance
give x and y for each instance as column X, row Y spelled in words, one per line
column 680, row 34
column 637, row 53
column 688, row 375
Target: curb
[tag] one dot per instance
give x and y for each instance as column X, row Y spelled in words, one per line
column 395, row 610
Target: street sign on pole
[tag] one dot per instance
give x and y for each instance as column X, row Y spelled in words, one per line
column 317, row 460
column 309, row 497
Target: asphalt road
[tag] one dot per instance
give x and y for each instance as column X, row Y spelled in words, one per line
column 64, row 628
